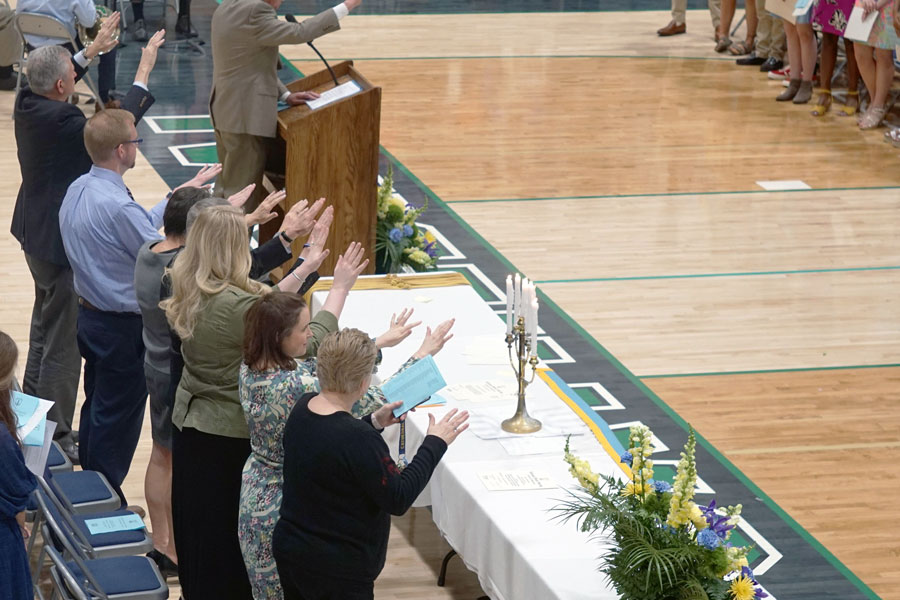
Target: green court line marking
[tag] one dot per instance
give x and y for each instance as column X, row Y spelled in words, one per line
column 766, row 371
column 798, row 529
column 668, row 194
column 705, row 275
column 520, row 56
column 771, row 504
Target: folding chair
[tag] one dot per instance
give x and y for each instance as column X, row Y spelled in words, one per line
column 85, row 492
column 57, row 461
column 122, row 578
column 46, row 26
column 103, row 565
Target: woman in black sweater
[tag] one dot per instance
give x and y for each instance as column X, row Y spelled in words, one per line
column 340, row 483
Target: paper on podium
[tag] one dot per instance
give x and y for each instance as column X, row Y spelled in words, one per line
column 334, row 94
column 858, row 29
column 414, row 385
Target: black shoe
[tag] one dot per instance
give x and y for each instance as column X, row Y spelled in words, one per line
column 69, row 448
column 164, row 563
column 8, row 83
column 183, row 27
column 751, row 59
column 771, row 64
column 140, row 31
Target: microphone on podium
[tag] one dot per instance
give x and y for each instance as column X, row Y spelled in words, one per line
column 292, row 19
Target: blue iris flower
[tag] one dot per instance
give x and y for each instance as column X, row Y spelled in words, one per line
column 662, row 487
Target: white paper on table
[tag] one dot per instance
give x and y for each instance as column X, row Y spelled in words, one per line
column 858, row 29
column 487, row 350
column 334, row 94
column 40, row 412
column 519, row 446
column 561, row 421
column 502, row 481
column 482, row 391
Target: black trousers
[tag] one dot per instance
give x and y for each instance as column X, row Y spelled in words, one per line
column 206, row 491
column 302, row 585
column 54, row 365
column 115, row 392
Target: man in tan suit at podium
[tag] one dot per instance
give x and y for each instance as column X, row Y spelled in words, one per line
column 243, row 103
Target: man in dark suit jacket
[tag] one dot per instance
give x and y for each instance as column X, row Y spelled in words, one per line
column 50, row 139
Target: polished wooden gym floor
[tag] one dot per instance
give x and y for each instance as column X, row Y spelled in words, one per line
column 620, row 170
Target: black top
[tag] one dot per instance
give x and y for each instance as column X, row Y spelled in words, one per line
column 340, row 488
column 50, row 141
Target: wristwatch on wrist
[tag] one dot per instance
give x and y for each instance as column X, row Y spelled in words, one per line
column 285, row 237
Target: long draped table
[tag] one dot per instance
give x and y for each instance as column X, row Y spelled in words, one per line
column 511, row 539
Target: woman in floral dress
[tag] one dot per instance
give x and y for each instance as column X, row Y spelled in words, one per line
column 271, row 383
column 876, row 61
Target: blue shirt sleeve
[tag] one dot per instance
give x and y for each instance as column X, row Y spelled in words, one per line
column 135, row 227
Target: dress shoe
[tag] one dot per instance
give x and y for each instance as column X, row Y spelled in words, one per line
column 69, row 448
column 164, row 563
column 672, row 28
column 183, row 27
column 751, row 60
column 771, row 64
column 140, row 31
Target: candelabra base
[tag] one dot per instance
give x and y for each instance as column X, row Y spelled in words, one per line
column 521, row 423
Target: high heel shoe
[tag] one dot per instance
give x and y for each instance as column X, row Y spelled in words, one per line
column 824, row 104
column 873, row 118
column 848, row 111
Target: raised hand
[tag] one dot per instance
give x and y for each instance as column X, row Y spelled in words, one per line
column 105, row 40
column 240, row 198
column 398, row 331
column 349, row 265
column 148, row 56
column 264, row 212
column 450, row 426
column 205, row 174
column 301, row 219
column 435, row 340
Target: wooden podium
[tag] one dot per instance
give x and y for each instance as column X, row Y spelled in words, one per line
column 333, row 152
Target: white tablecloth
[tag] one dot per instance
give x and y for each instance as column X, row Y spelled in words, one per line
column 509, row 538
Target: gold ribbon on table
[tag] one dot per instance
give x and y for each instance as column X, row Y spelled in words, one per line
column 396, row 282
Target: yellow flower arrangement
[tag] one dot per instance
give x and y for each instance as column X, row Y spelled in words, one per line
column 681, row 506
column 742, row 588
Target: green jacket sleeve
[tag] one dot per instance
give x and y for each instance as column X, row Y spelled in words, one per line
column 321, row 325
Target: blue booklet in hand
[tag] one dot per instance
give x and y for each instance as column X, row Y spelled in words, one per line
column 414, row 385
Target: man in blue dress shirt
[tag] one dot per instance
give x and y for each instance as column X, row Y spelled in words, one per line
column 102, row 230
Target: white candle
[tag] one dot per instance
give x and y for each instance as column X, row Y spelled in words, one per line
column 534, row 324
column 509, row 302
column 517, row 297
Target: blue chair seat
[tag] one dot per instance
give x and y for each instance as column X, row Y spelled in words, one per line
column 115, row 538
column 122, row 574
column 55, row 458
column 87, row 491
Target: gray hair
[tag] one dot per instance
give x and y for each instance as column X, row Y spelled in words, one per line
column 46, row 66
column 200, row 205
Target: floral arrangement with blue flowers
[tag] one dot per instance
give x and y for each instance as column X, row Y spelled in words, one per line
column 398, row 239
column 665, row 546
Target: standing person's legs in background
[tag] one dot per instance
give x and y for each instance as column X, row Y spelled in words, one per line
column 749, row 44
column 677, row 24
column 54, row 365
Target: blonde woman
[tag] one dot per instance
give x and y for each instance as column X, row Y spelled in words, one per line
column 211, row 292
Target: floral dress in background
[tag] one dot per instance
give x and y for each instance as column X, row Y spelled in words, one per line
column 268, row 398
